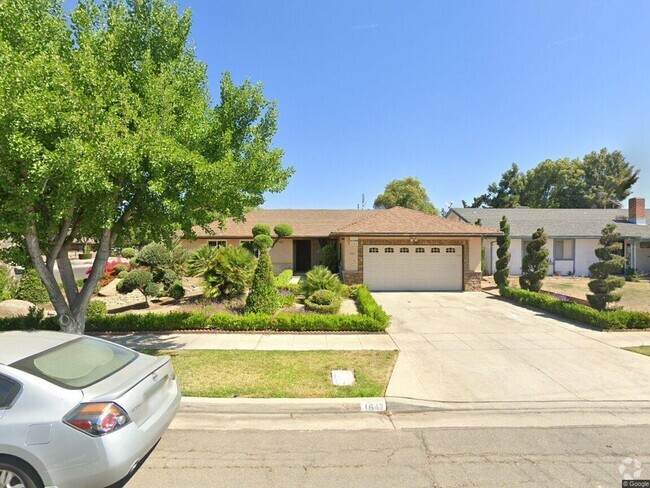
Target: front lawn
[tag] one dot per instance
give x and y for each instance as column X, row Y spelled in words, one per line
column 640, row 349
column 279, row 374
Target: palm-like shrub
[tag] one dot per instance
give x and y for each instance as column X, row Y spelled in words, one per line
column 534, row 266
column 226, row 271
column 320, row 278
column 263, row 297
column 603, row 285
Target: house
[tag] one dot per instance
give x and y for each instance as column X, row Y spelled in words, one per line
column 573, row 234
column 391, row 249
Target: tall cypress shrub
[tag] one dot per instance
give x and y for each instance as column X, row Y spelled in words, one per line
column 534, row 266
column 503, row 253
column 263, row 296
column 603, row 285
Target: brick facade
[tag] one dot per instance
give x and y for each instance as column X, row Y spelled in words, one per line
column 471, row 279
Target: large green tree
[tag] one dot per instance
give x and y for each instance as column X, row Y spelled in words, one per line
column 601, row 179
column 407, row 193
column 107, row 129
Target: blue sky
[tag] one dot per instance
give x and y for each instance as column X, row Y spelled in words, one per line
column 450, row 92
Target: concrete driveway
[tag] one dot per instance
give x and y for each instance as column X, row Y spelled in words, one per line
column 472, row 347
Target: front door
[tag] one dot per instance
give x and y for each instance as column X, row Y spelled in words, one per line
column 302, row 252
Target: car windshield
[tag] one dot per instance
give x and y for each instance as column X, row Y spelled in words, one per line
column 78, row 363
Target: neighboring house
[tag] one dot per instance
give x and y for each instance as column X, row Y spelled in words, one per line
column 393, row 249
column 573, row 234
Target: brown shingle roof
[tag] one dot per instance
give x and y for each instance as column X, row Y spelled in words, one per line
column 305, row 223
column 323, row 223
column 404, row 221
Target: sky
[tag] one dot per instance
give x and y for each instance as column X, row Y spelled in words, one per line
column 450, row 92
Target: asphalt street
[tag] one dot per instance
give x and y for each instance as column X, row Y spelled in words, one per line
column 584, row 456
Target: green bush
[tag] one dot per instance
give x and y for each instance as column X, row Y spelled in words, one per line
column 323, row 301
column 118, row 268
column 8, row 284
column 293, row 288
column 320, row 278
column 604, row 284
column 165, row 276
column 284, row 278
column 122, row 274
column 262, row 242
column 154, row 255
column 283, row 230
column 176, row 290
column 263, row 297
column 261, row 230
column 97, row 308
column 608, row 319
column 151, row 290
column 137, row 279
column 226, row 271
column 329, row 257
column 31, row 288
column 85, row 255
column 368, row 306
column 129, row 253
column 287, row 299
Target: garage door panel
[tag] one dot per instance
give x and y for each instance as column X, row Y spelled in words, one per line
column 407, row 269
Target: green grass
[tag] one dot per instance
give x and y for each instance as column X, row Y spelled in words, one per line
column 279, row 374
column 640, row 349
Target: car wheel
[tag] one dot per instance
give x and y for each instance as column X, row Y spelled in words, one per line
column 13, row 476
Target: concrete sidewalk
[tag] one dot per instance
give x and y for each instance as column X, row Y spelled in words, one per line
column 258, row 342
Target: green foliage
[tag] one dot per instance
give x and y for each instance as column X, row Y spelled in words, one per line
column 369, row 307
column 284, row 277
column 329, row 257
column 129, row 253
column 154, row 255
column 320, row 278
column 139, row 279
column 323, row 301
column 261, row 229
column 503, row 253
column 97, row 308
column 534, row 266
column 176, row 290
column 604, row 285
column 152, row 290
column 601, row 179
column 226, row 271
column 122, row 274
column 8, row 284
column 263, row 297
column 107, row 124
column 286, row 299
column 165, row 276
column 118, row 268
column 293, row 288
column 607, row 319
column 31, row 288
column 283, row 230
column 407, row 193
column 262, row 242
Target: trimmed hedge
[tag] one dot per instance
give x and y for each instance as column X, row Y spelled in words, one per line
column 323, row 301
column 372, row 319
column 284, row 277
column 608, row 319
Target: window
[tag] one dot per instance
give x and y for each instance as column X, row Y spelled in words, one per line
column 435, row 249
column 8, row 392
column 563, row 249
column 388, row 249
column 373, row 249
column 217, row 243
column 403, row 249
column 450, row 250
column 644, row 245
column 77, row 364
column 419, row 249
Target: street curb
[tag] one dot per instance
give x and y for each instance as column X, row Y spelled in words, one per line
column 282, row 405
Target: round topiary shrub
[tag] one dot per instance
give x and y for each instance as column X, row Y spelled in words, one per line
column 283, row 230
column 31, row 288
column 129, row 253
column 151, row 290
column 97, row 308
column 261, row 230
column 138, row 279
column 323, row 301
column 155, row 255
column 262, row 242
column 176, row 290
column 165, row 276
column 122, row 274
column 118, row 268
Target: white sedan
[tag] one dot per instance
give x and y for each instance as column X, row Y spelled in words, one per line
column 77, row 411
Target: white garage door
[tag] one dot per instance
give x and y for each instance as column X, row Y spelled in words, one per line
column 436, row 268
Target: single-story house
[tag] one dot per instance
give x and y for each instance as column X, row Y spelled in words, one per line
column 391, row 249
column 573, row 234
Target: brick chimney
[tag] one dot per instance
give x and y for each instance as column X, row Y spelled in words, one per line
column 637, row 211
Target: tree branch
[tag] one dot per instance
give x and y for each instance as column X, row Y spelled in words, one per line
column 99, row 267
column 60, row 240
column 67, row 273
